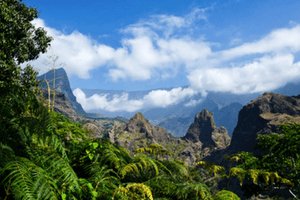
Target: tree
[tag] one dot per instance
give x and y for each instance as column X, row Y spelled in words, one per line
column 20, row 41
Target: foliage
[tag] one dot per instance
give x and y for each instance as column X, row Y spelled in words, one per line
column 226, row 195
column 20, row 41
column 213, row 169
column 155, row 150
column 282, row 153
column 133, row 191
column 277, row 166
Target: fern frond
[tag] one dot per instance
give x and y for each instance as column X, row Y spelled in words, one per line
column 174, row 168
column 61, row 170
column 104, row 180
column 193, row 191
column 141, row 166
column 239, row 173
column 47, row 144
column 112, row 156
column 6, row 154
column 254, row 175
column 153, row 149
column 133, row 191
column 212, row 168
column 29, row 181
column 162, row 185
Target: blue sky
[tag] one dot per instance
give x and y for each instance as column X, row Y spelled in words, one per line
column 237, row 46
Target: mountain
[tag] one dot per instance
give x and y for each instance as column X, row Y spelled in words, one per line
column 262, row 116
column 59, row 80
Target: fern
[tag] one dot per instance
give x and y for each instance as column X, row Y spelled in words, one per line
column 175, row 168
column 44, row 144
column 104, row 180
column 112, row 156
column 213, row 169
column 239, row 173
column 193, row 191
column 154, row 149
column 163, row 186
column 142, row 167
column 6, row 154
column 61, row 170
column 28, row 181
column 133, row 191
column 254, row 175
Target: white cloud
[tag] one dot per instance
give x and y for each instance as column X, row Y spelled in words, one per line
column 278, row 41
column 265, row 74
column 258, row 66
column 78, row 53
column 154, row 99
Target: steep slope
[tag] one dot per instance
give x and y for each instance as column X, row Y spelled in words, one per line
column 204, row 130
column 59, row 80
column 263, row 115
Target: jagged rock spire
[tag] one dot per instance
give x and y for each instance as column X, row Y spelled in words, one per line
column 204, row 130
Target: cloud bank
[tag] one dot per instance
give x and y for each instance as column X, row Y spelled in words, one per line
column 163, row 45
column 154, row 99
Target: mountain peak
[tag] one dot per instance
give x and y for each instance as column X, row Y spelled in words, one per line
column 139, row 116
column 139, row 124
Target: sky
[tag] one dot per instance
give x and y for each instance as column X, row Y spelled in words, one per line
column 192, row 46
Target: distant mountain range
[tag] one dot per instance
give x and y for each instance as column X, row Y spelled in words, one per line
column 176, row 118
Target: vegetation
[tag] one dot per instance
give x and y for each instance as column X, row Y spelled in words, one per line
column 273, row 171
column 44, row 155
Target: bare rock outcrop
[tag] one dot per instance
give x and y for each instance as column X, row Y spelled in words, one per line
column 262, row 116
column 204, row 130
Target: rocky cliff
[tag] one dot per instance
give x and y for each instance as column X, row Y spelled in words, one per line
column 204, row 130
column 58, row 80
column 261, row 116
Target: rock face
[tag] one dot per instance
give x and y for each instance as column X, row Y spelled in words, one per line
column 204, row 130
column 64, row 106
column 61, row 86
column 263, row 115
